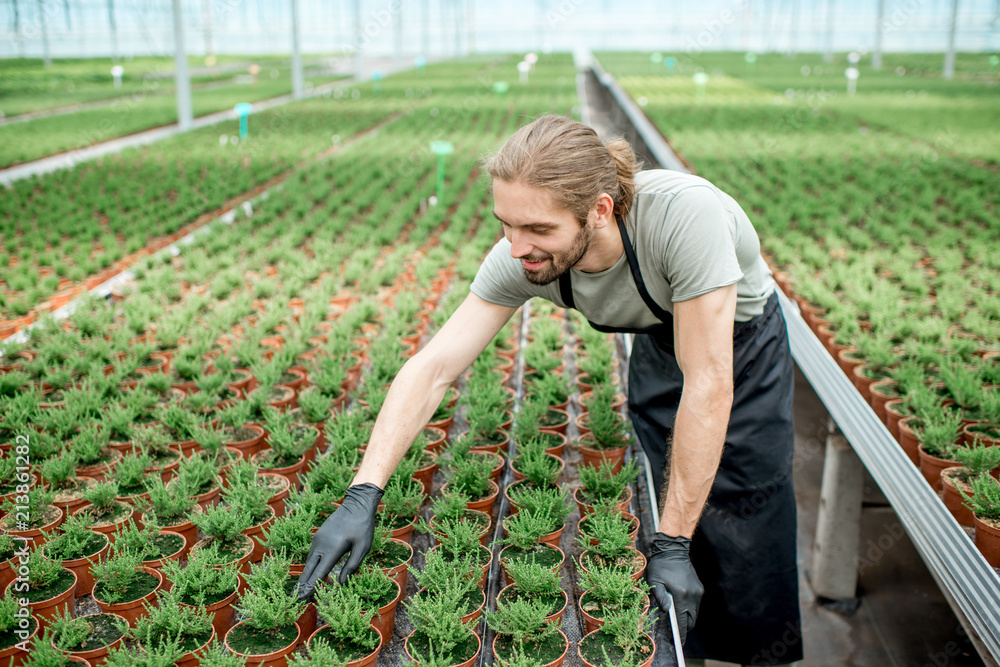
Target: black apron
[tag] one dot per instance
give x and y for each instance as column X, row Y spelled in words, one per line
column 744, row 547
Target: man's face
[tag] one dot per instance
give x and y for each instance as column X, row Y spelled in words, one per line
column 546, row 238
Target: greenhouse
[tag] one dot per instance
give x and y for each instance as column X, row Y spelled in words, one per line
column 440, row 333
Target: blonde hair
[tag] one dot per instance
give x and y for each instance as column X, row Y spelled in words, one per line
column 568, row 159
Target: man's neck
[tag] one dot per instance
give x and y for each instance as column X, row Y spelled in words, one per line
column 604, row 252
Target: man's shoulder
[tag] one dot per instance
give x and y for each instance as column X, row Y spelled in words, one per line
column 653, row 182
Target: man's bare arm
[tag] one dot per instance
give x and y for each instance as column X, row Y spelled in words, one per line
column 703, row 343
column 420, row 385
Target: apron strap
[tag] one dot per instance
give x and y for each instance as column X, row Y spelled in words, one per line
column 566, row 289
column 633, row 265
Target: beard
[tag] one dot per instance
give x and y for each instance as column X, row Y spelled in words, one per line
column 559, row 264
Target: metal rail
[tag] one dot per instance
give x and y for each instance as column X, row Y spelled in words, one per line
column 967, row 581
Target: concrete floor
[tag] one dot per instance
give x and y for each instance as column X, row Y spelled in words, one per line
column 902, row 618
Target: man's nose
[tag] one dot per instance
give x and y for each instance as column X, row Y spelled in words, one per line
column 518, row 246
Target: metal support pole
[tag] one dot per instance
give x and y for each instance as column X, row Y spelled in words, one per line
column 879, row 30
column 182, row 81
column 298, row 85
column 828, row 53
column 359, row 58
column 949, row 57
column 43, row 22
column 834, row 572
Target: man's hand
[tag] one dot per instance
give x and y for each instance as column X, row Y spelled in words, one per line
column 349, row 528
column 670, row 571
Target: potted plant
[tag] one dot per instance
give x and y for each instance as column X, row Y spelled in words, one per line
column 624, row 639
column 42, row 516
column 288, row 446
column 525, row 531
column 593, row 524
column 7, row 572
column 609, row 435
column 77, row 547
column 521, row 626
column 13, row 632
column 123, row 586
column 441, row 573
column 389, row 554
column 130, row 474
column 291, row 536
column 470, row 475
column 268, row 632
column 207, row 582
column 439, row 636
column 169, row 620
column 349, row 629
column 549, row 504
column 939, row 438
column 534, row 464
column 224, row 529
column 49, row 590
column 44, row 655
column 155, row 442
column 602, row 485
column 171, row 510
column 199, row 477
column 987, row 429
column 377, row 591
column 251, row 496
column 402, row 499
column 154, row 546
column 238, row 431
column 95, row 458
column 104, row 513
column 985, row 503
column 975, row 460
column 608, row 590
column 531, row 581
column 59, row 473
column 88, row 637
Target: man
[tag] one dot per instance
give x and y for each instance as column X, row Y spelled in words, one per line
column 672, row 259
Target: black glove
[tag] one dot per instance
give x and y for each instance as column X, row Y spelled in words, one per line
column 669, row 570
column 349, row 528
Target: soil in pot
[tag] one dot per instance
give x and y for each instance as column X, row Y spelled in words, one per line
column 58, row 597
column 106, row 633
column 351, row 651
column 9, row 641
column 545, row 555
column 93, row 551
column 548, row 651
column 258, row 646
column 130, row 607
column 592, row 649
column 556, row 603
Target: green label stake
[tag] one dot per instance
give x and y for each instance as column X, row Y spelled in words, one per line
column 441, row 148
column 243, row 109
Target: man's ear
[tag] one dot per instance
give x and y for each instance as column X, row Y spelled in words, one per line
column 603, row 211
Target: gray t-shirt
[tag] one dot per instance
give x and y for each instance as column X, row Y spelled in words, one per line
column 690, row 238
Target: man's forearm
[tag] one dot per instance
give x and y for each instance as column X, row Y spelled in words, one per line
column 699, row 435
column 413, row 397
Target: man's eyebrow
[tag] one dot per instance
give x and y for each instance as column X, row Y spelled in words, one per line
column 535, row 225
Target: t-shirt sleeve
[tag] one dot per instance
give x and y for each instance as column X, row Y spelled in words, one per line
column 500, row 279
column 700, row 251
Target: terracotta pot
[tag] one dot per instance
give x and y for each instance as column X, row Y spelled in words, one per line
column 193, row 658
column 973, row 433
column 187, row 529
column 592, row 623
column 426, row 476
column 909, row 440
column 645, row 663
column 518, row 476
column 631, row 518
column 848, row 361
column 616, row 405
column 44, row 610
column 880, row 395
column 555, row 663
column 638, row 569
column 893, row 416
column 248, row 448
column 484, row 504
column 367, row 660
column 7, row 574
column 81, row 568
column 97, row 656
column 277, row 658
column 222, row 613
column 594, row 458
column 133, row 610
column 987, row 539
column 436, row 437
column 952, row 499
column 494, row 448
column 289, row 472
column 585, row 509
column 70, row 502
column 12, row 656
column 555, row 568
column 385, row 621
column 100, row 472
column 400, row 573
column 157, row 563
column 277, row 500
column 109, row 529
column 584, row 385
column 931, row 467
column 256, row 534
column 554, row 618
column 37, row 536
column 465, row 663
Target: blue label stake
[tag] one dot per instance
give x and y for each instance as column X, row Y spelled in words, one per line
column 243, row 109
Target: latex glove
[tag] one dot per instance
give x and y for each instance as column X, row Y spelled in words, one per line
column 349, row 528
column 669, row 570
